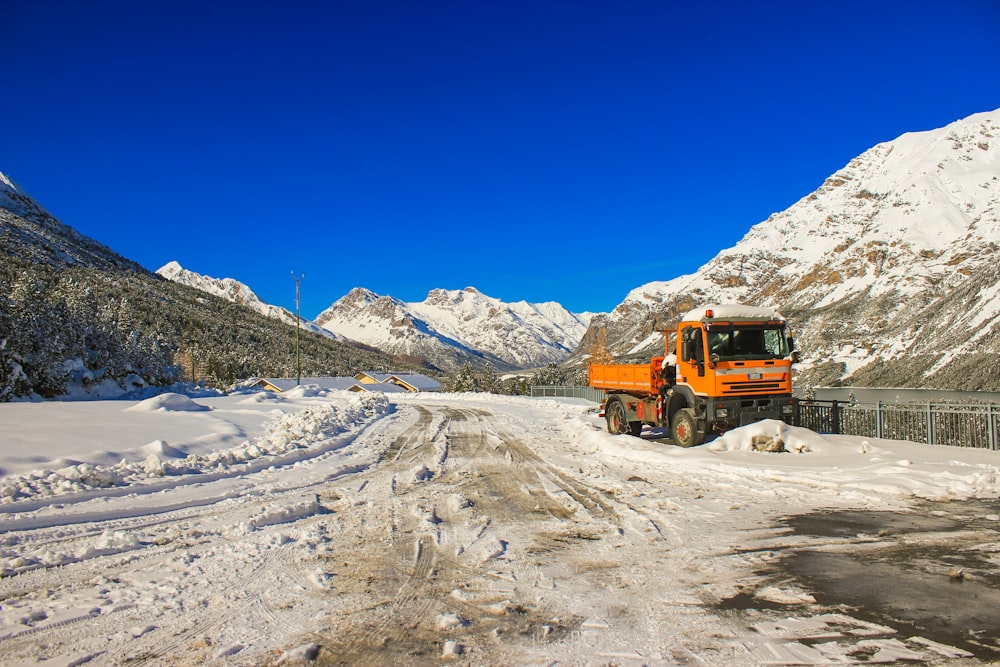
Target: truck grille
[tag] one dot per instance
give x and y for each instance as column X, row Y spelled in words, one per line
column 747, row 387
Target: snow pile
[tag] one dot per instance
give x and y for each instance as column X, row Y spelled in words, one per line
column 284, row 439
column 169, row 402
column 769, row 435
column 262, row 397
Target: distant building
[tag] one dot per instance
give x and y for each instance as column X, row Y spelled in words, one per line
column 387, row 383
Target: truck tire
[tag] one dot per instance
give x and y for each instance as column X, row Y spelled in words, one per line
column 684, row 428
column 617, row 416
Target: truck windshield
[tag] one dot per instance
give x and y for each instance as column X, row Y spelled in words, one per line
column 750, row 341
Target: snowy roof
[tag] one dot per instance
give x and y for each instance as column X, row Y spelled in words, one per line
column 336, row 383
column 378, row 377
column 384, row 387
column 418, row 381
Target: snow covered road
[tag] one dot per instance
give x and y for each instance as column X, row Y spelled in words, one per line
column 439, row 529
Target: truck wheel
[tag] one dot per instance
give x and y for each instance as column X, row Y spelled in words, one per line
column 684, row 428
column 614, row 412
column 617, row 416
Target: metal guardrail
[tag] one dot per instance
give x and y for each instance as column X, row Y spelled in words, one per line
column 962, row 425
column 588, row 393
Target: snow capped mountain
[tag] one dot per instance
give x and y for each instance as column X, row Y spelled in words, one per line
column 235, row 291
column 447, row 329
column 452, row 326
column 893, row 257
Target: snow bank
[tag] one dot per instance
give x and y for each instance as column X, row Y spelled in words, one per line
column 283, row 440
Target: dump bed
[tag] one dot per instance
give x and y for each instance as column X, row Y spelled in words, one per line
column 637, row 379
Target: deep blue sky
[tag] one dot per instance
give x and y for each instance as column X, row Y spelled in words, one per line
column 535, row 149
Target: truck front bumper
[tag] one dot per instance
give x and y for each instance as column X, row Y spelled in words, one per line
column 725, row 414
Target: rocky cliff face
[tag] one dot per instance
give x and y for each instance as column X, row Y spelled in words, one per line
column 888, row 271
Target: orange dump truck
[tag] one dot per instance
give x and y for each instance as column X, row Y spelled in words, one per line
column 731, row 366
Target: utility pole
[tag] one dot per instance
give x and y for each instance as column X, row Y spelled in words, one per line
column 298, row 358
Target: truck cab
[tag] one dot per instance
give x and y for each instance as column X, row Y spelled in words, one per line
column 733, row 367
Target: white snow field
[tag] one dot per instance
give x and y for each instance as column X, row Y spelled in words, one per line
column 319, row 527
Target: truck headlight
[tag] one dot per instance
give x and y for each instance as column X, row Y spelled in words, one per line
column 787, row 409
column 721, row 412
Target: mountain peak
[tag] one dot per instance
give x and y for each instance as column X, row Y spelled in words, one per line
column 170, row 269
column 9, row 184
column 360, row 295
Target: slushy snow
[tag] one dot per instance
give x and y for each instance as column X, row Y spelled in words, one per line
column 238, row 529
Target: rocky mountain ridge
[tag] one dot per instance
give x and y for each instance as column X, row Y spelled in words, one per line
column 888, row 271
column 233, row 290
column 451, row 327
column 446, row 330
column 30, row 232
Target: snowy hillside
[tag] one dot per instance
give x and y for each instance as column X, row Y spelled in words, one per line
column 31, row 233
column 892, row 256
column 235, row 291
column 453, row 326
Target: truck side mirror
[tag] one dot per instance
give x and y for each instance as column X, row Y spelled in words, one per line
column 791, row 344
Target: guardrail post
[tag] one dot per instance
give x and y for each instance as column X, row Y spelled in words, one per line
column 878, row 419
column 991, row 425
column 835, row 418
column 930, row 424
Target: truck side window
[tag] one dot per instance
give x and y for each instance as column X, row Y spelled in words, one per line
column 687, row 347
